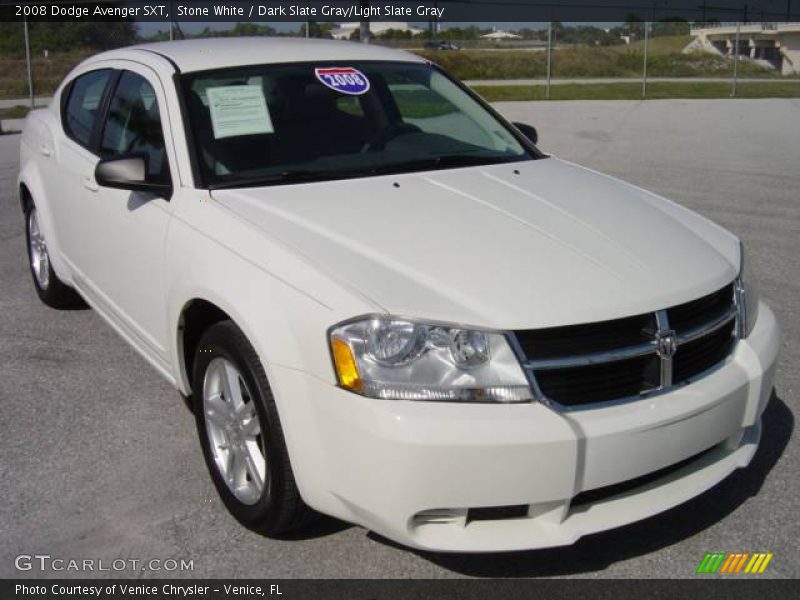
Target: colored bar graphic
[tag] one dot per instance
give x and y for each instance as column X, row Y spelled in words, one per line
column 764, row 564
column 704, row 564
column 734, row 562
column 741, row 562
column 711, row 563
column 729, row 564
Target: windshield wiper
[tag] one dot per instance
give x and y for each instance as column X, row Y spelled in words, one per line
column 446, row 161
column 289, row 176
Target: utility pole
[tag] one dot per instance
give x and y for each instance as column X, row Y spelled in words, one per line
column 363, row 30
column 735, row 61
column 171, row 20
column 644, row 66
column 28, row 61
column 549, row 56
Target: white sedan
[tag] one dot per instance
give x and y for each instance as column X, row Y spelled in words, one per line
column 384, row 303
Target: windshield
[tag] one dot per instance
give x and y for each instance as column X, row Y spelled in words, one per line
column 313, row 121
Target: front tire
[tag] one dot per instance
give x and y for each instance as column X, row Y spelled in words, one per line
column 241, row 436
column 50, row 289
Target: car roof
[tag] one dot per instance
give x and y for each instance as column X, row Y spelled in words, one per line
column 216, row 53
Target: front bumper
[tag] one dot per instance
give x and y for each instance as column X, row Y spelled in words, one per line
column 411, row 470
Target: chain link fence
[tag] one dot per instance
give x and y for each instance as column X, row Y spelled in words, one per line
column 544, row 63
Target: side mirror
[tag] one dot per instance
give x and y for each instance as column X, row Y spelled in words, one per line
column 529, row 131
column 129, row 173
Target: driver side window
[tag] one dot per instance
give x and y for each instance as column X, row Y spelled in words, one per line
column 134, row 125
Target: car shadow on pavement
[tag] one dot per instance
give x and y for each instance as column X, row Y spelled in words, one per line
column 323, row 527
column 598, row 551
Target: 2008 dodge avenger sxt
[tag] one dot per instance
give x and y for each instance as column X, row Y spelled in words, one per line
column 385, row 303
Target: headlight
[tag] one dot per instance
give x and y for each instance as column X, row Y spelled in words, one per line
column 391, row 358
column 746, row 296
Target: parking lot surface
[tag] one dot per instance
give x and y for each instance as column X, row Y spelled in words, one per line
column 99, row 458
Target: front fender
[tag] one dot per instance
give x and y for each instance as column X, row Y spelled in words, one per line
column 281, row 303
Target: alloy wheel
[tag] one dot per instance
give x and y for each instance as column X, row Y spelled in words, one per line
column 234, row 431
column 40, row 260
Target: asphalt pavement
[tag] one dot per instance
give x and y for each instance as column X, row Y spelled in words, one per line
column 99, row 459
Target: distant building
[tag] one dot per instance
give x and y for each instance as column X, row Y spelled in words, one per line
column 501, row 35
column 776, row 44
column 344, row 31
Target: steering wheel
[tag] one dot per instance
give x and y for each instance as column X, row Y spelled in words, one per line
column 387, row 134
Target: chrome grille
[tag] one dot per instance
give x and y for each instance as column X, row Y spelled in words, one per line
column 630, row 357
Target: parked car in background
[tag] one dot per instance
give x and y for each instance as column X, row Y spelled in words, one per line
column 441, row 45
column 385, row 303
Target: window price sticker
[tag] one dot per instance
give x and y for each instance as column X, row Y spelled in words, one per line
column 238, row 110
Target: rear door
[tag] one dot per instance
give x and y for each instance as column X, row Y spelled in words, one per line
column 73, row 168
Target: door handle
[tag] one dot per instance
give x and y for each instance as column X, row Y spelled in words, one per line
column 89, row 183
column 45, row 150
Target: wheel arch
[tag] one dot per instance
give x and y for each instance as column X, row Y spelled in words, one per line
column 196, row 316
column 25, row 196
column 31, row 191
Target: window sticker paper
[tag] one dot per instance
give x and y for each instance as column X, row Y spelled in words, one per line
column 238, row 110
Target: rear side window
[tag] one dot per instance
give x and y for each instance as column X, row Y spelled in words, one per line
column 83, row 105
column 134, row 125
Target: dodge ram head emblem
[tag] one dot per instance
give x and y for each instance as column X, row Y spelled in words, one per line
column 666, row 344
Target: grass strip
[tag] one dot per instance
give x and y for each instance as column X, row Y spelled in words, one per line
column 633, row 91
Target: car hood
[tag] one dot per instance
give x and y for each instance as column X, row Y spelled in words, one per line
column 529, row 244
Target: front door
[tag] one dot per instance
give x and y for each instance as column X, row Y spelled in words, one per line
column 125, row 236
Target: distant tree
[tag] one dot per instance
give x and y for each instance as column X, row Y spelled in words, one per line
column 238, row 30
column 671, row 26
column 634, row 26
column 158, row 36
column 585, row 34
column 60, row 37
column 574, row 34
column 316, row 29
column 250, row 29
column 533, row 34
column 245, row 29
column 11, row 39
column 394, row 34
column 204, row 33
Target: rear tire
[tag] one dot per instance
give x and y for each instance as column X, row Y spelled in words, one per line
column 241, row 436
column 50, row 289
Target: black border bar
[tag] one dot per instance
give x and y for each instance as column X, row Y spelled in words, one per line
column 400, row 10
column 705, row 587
